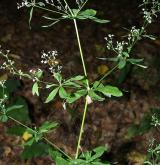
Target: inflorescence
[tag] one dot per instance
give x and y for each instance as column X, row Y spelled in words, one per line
column 50, row 59
column 135, row 34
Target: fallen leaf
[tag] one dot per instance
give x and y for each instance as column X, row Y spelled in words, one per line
column 102, row 69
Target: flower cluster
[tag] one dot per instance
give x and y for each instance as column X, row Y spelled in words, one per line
column 58, row 5
column 4, row 96
column 155, row 120
column 49, row 58
column 22, row 4
column 134, row 34
column 117, row 47
column 8, row 64
column 148, row 14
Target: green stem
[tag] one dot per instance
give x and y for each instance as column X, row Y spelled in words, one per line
column 68, row 7
column 82, row 6
column 81, row 130
column 81, row 52
column 56, row 147
column 52, row 11
column 88, row 88
column 108, row 73
column 18, row 122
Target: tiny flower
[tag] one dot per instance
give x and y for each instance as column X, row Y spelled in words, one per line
column 50, row 59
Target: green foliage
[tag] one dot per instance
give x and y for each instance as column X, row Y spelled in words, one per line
column 39, row 133
column 145, row 124
column 9, row 87
column 153, row 157
column 87, row 14
column 16, row 130
column 76, row 83
column 19, row 110
column 87, row 158
column 35, row 89
column 35, row 150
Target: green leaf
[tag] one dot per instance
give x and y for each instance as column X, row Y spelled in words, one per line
column 35, row 150
column 76, row 78
column 16, row 130
column 97, row 84
column 110, row 91
column 58, row 77
column 30, row 142
column 47, row 126
column 125, row 54
column 62, row 93
column 10, row 88
column 52, row 95
column 122, row 63
column 99, row 20
column 94, row 96
column 54, row 154
column 20, row 114
column 61, row 161
column 99, row 151
column 136, row 62
column 109, row 59
column 14, row 107
column 41, row 4
column 39, row 73
column 51, row 85
column 71, row 84
column 78, row 162
column 77, row 95
column 88, row 13
column 100, row 163
column 4, row 118
column 35, row 89
column 133, row 60
column 75, row 11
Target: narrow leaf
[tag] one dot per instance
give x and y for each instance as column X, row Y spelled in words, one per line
column 52, row 95
column 110, row 91
column 35, row 89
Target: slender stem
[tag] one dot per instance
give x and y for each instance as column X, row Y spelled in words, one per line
column 68, row 7
column 88, row 88
column 82, row 6
column 18, row 122
column 56, row 147
column 81, row 52
column 108, row 73
column 48, row 10
column 81, row 130
column 48, row 141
